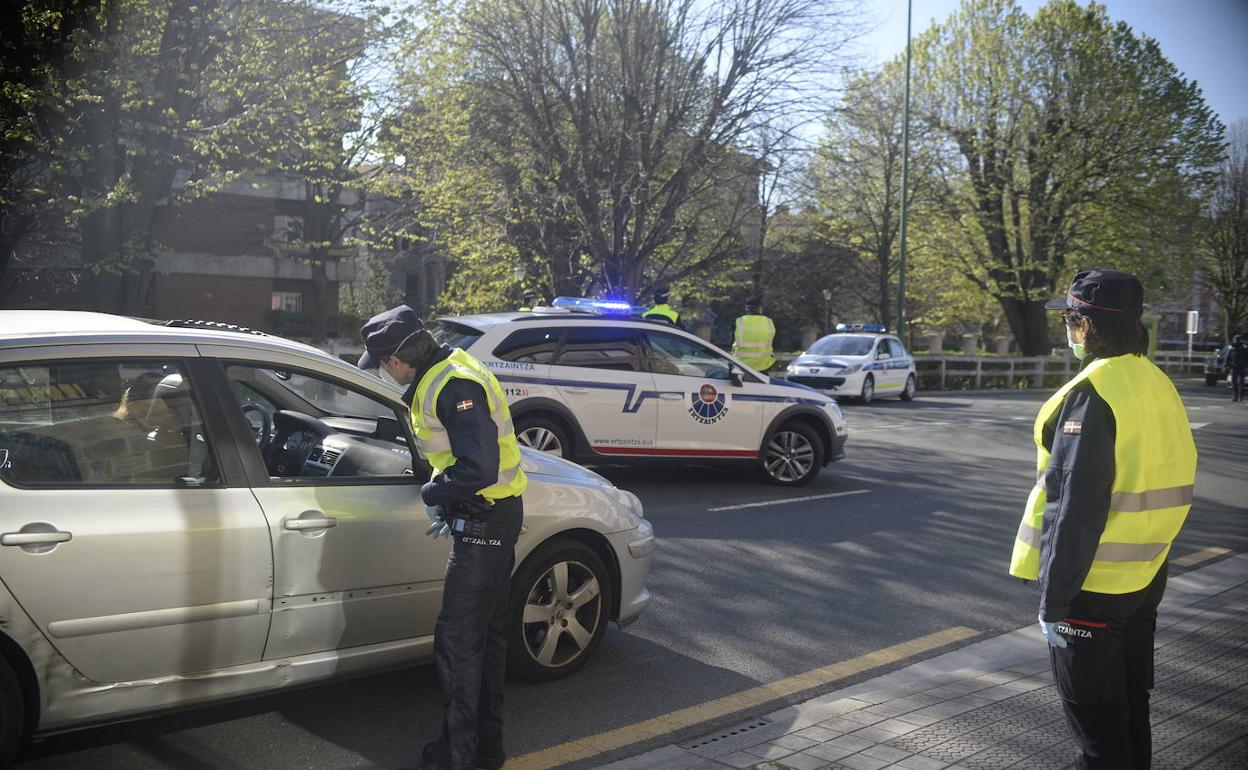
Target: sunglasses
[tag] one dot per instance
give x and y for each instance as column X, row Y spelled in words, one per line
column 1071, row 318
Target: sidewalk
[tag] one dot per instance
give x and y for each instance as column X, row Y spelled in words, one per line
column 993, row 705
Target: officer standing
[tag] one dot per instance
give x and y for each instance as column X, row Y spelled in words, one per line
column 1115, row 467
column 661, row 310
column 1237, row 362
column 755, row 332
column 464, row 430
column 530, row 301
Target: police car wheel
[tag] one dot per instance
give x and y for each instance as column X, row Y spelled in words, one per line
column 544, row 435
column 12, row 713
column 560, row 606
column 868, row 389
column 907, row 393
column 793, row 455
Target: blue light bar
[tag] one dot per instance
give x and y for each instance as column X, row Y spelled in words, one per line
column 879, row 328
column 600, row 306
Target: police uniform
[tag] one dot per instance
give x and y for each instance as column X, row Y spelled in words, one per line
column 1237, row 363
column 1115, row 470
column 661, row 310
column 753, row 337
column 463, row 427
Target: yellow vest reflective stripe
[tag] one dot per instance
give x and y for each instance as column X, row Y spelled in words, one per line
column 435, row 443
column 1154, row 474
column 663, row 311
column 752, row 341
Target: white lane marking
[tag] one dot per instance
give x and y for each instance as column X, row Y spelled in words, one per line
column 1199, row 425
column 787, row 500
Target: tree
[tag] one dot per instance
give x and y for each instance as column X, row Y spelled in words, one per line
column 1063, row 137
column 1226, row 234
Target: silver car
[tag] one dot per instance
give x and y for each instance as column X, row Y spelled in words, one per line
column 190, row 512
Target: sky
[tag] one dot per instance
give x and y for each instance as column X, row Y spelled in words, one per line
column 1206, row 39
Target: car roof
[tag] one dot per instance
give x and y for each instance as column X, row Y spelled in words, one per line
column 483, row 321
column 22, row 328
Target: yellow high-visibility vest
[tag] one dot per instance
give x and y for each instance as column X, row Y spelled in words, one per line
column 662, row 311
column 1154, row 475
column 435, row 443
column 752, row 341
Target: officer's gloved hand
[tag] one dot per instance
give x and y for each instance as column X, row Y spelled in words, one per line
column 439, row 527
column 1051, row 635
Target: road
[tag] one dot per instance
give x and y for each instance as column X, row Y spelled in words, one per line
column 908, row 536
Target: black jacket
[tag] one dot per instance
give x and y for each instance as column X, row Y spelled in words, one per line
column 1078, row 484
column 1237, row 358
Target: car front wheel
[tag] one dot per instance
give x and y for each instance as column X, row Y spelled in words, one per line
column 560, row 605
column 868, row 389
column 793, row 455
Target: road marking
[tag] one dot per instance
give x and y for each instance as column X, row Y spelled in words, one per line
column 1196, row 557
column 673, row 721
column 1199, row 425
column 787, row 500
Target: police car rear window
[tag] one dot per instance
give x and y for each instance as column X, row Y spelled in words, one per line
column 453, row 333
column 601, row 347
column 530, row 346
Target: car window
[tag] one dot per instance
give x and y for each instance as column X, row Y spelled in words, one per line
column 367, row 440
column 453, row 333
column 842, row 345
column 896, row 350
column 102, row 422
column 600, row 347
column 532, row 346
column 673, row 354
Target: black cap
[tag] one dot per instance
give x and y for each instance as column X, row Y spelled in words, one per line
column 529, row 293
column 660, row 293
column 386, row 332
column 1103, row 292
column 754, row 301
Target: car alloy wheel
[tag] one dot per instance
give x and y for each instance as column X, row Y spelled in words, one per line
column 868, row 389
column 542, row 439
column 790, row 457
column 907, row 394
column 561, row 602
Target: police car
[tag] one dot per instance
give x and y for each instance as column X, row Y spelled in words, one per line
column 860, row 361
column 587, row 381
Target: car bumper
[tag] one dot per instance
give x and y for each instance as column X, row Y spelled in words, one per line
column 634, row 549
column 833, row 385
column 838, row 447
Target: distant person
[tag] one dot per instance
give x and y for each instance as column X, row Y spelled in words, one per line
column 661, row 310
column 1116, row 466
column 1237, row 363
column 531, row 300
column 752, row 340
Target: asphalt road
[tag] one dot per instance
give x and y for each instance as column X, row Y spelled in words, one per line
column 742, row 596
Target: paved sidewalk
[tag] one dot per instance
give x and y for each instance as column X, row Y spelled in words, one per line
column 993, row 704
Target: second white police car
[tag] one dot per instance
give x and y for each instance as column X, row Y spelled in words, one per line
column 592, row 387
column 860, row 361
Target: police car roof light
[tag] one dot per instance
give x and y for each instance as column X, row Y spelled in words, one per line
column 878, row 328
column 600, row 306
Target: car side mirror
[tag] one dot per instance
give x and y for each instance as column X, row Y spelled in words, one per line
column 737, row 375
column 881, row 355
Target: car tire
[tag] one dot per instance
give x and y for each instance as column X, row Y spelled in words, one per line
column 535, row 590
column 907, row 393
column 868, row 389
column 544, row 435
column 792, row 456
column 12, row 713
column 1211, row 380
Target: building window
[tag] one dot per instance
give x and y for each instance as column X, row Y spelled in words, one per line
column 287, row 229
column 288, row 301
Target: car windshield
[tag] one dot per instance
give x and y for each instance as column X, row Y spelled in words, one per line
column 842, row 345
column 330, row 399
column 453, row 333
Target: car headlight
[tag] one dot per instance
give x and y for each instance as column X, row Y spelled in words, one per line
column 791, row 369
column 627, row 500
column 852, row 368
column 835, row 409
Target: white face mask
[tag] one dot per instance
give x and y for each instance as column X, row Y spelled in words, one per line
column 386, row 378
column 1075, row 347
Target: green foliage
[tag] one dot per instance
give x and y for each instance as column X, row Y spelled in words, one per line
column 1224, row 236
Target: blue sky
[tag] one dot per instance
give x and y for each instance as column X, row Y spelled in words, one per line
column 1206, row 39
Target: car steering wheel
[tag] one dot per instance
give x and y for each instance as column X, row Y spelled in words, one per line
column 265, row 434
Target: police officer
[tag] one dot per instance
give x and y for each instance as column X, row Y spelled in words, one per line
column 530, row 301
column 661, row 310
column 460, row 417
column 1237, row 362
column 752, row 341
column 1115, row 469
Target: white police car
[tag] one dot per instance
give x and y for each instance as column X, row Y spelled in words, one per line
column 860, row 361
column 594, row 387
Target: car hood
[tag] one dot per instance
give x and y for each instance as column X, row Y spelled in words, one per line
column 533, row 461
column 835, row 361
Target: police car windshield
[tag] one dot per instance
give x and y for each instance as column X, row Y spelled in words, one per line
column 842, row 345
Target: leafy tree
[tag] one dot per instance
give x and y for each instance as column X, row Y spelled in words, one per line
column 1064, row 139
column 1226, row 235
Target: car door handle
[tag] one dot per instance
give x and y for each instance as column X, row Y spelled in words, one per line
column 35, row 538
column 672, row 396
column 303, row 524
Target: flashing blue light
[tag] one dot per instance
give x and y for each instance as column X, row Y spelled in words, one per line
column 600, row 306
column 878, row 328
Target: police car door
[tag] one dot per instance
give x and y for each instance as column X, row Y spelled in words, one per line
column 701, row 412
column 883, row 368
column 602, row 380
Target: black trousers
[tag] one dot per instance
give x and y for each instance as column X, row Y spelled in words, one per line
column 1105, row 672
column 470, row 643
column 1237, row 384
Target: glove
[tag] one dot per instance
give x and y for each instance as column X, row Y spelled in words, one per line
column 1051, row 635
column 439, row 527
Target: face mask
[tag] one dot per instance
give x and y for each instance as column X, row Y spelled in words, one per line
column 1075, row 347
column 385, row 377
